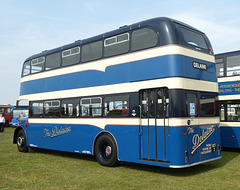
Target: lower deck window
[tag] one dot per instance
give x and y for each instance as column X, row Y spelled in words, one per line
column 36, row 109
column 91, row 107
column 233, row 112
column 116, row 106
column 70, row 108
column 52, row 108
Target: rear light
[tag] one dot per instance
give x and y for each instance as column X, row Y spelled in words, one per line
column 211, row 50
column 184, row 133
column 218, row 129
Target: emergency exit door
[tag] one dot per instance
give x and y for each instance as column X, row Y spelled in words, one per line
column 154, row 123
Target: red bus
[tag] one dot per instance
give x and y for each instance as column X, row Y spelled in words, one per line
column 6, row 111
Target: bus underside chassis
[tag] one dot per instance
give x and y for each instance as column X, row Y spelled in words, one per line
column 106, row 150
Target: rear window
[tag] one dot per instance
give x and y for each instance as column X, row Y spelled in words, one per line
column 194, row 38
column 207, row 105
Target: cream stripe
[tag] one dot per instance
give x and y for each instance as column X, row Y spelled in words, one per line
column 229, row 97
column 102, row 122
column 182, row 121
column 229, row 79
column 171, row 83
column 98, row 122
column 101, row 65
column 230, row 124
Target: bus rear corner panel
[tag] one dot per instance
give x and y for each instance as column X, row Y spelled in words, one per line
column 203, row 143
column 192, row 145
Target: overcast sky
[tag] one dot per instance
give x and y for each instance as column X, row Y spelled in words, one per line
column 30, row 26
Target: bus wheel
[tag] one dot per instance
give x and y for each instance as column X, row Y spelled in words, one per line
column 106, row 151
column 21, row 141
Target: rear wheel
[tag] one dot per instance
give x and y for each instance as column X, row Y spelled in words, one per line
column 21, row 141
column 106, row 150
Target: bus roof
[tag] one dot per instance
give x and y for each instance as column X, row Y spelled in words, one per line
column 227, row 53
column 154, row 22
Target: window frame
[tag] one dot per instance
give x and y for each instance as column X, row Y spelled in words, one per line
column 41, row 114
column 92, row 59
column 60, row 61
column 90, row 106
column 23, row 69
column 38, row 63
column 47, row 115
column 106, row 110
column 146, row 47
column 194, row 32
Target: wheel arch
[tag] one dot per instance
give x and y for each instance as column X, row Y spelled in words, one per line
column 16, row 132
column 100, row 134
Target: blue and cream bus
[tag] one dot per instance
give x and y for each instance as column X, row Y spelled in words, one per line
column 144, row 93
column 228, row 71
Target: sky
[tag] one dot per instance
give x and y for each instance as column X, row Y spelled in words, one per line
column 29, row 27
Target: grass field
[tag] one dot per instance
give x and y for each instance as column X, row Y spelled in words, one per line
column 58, row 170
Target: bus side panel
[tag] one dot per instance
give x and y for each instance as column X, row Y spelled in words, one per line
column 127, row 138
column 230, row 137
column 178, row 66
column 176, row 146
column 70, row 138
column 144, row 142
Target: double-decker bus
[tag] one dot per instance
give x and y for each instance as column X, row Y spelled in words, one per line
column 144, row 93
column 228, row 71
column 6, row 111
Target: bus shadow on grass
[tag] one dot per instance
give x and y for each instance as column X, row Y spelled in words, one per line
column 70, row 155
column 227, row 156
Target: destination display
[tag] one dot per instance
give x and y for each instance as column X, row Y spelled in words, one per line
column 229, row 88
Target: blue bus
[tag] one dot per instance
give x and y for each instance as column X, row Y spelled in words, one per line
column 144, row 93
column 18, row 112
column 228, row 71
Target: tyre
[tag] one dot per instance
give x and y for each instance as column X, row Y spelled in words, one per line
column 106, row 150
column 22, row 141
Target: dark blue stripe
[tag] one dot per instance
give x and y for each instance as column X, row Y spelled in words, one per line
column 154, row 68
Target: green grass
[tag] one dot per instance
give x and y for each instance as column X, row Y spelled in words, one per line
column 59, row 170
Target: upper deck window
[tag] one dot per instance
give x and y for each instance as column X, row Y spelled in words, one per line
column 233, row 65
column 116, row 45
column 26, row 68
column 71, row 56
column 53, row 61
column 144, row 38
column 37, row 65
column 92, row 51
column 193, row 38
column 220, row 67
